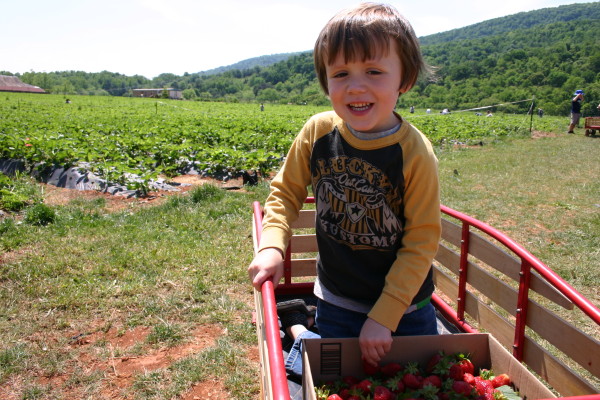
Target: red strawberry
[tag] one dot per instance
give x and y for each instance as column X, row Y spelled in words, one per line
column 469, row 378
column 429, row 392
column 462, row 387
column 432, row 380
column 350, row 380
column 334, row 397
column 500, row 380
column 467, row 366
column 456, row 372
column 483, row 386
column 433, row 361
column 345, row 393
column 391, row 369
column 412, row 378
column 412, row 381
column 365, row 386
column 369, row 368
column 395, row 384
column 493, row 395
column 382, row 393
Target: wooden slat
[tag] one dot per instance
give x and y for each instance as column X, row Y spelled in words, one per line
column 448, row 258
column 581, row 348
column 485, row 317
column 303, row 244
column 555, row 372
column 451, row 232
column 445, row 284
column 552, row 370
column 498, row 259
column 304, row 267
column 306, row 219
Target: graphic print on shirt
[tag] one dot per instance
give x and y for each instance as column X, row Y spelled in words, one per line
column 356, row 203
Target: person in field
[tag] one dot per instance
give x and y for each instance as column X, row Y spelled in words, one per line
column 375, row 180
column 575, row 110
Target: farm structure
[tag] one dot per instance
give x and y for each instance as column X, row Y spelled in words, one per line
column 14, row 84
column 156, row 93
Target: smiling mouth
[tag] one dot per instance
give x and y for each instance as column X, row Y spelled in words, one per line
column 360, row 106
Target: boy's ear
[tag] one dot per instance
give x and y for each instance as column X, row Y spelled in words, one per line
column 404, row 88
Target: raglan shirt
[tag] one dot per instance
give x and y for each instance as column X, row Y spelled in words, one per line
column 378, row 212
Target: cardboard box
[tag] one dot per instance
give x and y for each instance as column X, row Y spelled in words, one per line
column 330, row 359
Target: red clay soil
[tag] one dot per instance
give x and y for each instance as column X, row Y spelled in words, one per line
column 118, row 369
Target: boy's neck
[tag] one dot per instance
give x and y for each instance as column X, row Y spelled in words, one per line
column 374, row 135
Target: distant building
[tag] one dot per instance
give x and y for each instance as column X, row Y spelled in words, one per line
column 158, row 93
column 14, row 84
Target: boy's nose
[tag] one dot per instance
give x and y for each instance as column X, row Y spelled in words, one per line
column 356, row 86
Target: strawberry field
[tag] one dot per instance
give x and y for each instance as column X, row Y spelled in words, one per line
column 116, row 138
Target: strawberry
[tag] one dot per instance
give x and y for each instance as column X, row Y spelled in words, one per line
column 462, row 387
column 412, row 381
column 395, row 384
column 365, row 386
column 433, row 361
column 469, row 378
column 432, row 380
column 334, row 397
column 345, row 393
column 483, row 386
column 467, row 366
column 456, row 372
column 500, row 380
column 350, row 380
column 369, row 369
column 429, row 392
column 391, row 369
column 412, row 378
column 382, row 393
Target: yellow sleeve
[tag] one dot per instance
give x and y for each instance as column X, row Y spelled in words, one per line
column 288, row 190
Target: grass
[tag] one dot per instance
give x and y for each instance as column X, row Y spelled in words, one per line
column 541, row 192
column 182, row 264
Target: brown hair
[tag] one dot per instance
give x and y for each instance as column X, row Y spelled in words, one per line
column 360, row 32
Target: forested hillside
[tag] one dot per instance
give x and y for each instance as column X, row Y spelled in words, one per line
column 547, row 53
column 261, row 61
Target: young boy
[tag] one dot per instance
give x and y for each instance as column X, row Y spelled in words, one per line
column 374, row 177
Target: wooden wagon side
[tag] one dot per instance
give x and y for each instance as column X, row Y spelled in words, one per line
column 484, row 281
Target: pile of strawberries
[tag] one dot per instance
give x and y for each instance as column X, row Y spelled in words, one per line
column 445, row 377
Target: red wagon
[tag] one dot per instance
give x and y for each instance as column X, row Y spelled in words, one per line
column 592, row 124
column 485, row 282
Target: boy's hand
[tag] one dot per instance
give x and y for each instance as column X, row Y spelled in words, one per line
column 267, row 264
column 375, row 341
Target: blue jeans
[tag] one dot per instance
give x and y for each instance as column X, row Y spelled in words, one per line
column 336, row 322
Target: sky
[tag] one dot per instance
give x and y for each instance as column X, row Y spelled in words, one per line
column 150, row 37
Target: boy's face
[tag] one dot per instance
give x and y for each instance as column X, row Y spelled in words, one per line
column 364, row 93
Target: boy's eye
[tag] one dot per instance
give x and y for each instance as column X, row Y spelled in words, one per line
column 339, row 74
column 374, row 72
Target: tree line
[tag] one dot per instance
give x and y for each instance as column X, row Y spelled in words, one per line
column 547, row 53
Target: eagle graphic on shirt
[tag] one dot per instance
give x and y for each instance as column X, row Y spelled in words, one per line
column 356, row 204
